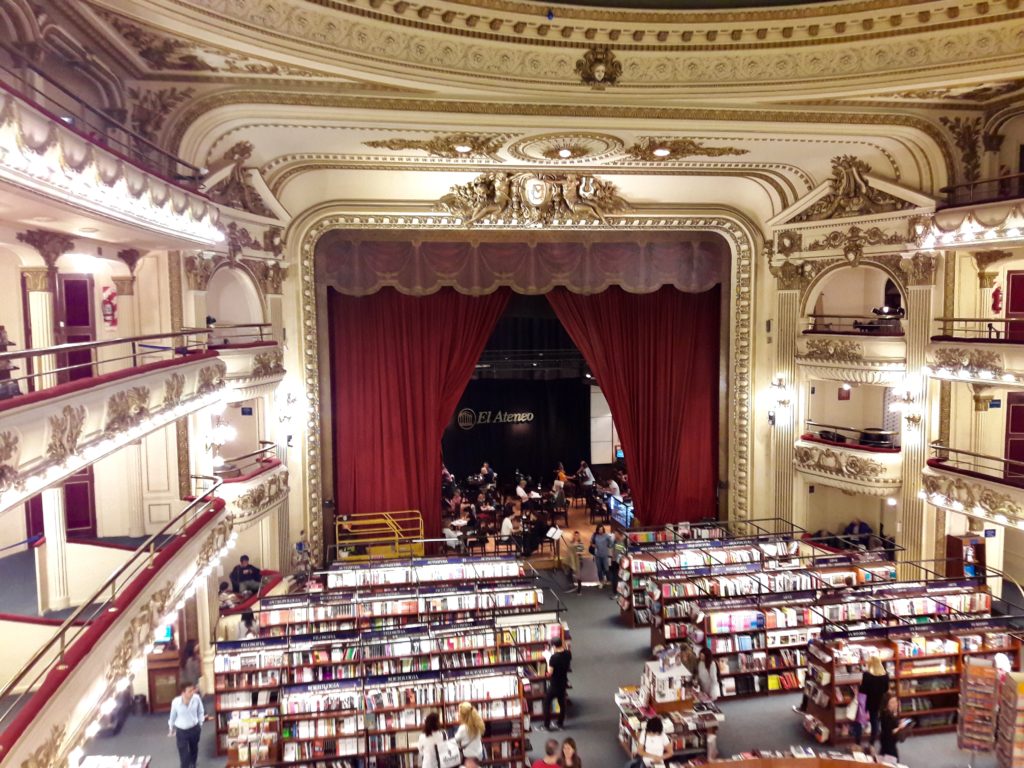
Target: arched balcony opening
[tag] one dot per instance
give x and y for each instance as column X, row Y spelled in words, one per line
column 857, row 301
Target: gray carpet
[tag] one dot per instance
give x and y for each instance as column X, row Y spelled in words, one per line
column 605, row 656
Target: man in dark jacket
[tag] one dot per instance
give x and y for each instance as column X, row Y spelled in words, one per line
column 245, row 578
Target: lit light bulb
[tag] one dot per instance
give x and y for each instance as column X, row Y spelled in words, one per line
column 662, row 152
column 92, row 729
column 565, row 153
column 463, row 149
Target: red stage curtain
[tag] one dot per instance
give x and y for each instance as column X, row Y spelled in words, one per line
column 656, row 359
column 400, row 365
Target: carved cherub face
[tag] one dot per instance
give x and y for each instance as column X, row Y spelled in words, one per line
column 599, row 71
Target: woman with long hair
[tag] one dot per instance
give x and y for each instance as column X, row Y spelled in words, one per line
column 707, row 674
column 430, row 741
column 874, row 684
column 470, row 735
column 570, row 758
column 653, row 745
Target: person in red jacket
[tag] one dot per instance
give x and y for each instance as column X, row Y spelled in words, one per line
column 550, row 755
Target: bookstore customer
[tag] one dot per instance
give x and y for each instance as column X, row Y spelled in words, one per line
column 601, row 545
column 891, row 730
column 430, row 741
column 874, row 685
column 618, row 552
column 558, row 682
column 573, row 564
column 185, row 724
column 246, row 578
column 654, row 745
column 191, row 667
column 551, row 755
column 707, row 674
column 470, row 735
column 570, row 758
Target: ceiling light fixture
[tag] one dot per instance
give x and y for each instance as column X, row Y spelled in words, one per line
column 565, row 153
column 662, row 152
column 463, row 149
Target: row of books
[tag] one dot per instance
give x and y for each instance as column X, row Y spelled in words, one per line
column 425, row 572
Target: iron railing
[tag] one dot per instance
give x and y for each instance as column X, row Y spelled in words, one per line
column 1005, row 187
column 231, row 334
column 1001, row 329
column 854, row 437
column 51, row 654
column 861, row 325
column 246, row 464
column 996, row 468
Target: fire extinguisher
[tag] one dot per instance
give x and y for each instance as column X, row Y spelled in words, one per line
column 108, row 306
column 997, row 300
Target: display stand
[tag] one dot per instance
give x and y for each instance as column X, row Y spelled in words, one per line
column 976, row 726
column 1010, row 723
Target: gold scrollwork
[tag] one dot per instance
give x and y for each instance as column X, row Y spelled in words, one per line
column 47, row 754
column 447, row 145
column 838, row 463
column 211, row 378
column 833, row 351
column 268, row 363
column 9, row 475
column 65, row 431
column 126, row 410
column 851, row 194
column 266, row 494
column 174, row 388
column 199, row 270
column 972, row 360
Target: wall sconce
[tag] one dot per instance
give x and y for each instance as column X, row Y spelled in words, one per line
column 779, row 397
column 905, row 406
column 219, row 434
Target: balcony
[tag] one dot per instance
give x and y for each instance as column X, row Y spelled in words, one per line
column 87, row 661
column 863, row 460
column 987, row 487
column 985, row 351
column 845, row 349
column 80, row 402
column 253, row 484
column 253, row 360
column 1007, row 187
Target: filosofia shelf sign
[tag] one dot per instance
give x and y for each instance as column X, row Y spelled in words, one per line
column 468, row 418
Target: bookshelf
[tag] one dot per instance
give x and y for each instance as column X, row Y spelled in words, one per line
column 434, row 572
column 346, row 675
column 979, row 700
column 925, row 670
column 1010, row 723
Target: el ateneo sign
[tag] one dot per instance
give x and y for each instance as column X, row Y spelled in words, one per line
column 468, row 418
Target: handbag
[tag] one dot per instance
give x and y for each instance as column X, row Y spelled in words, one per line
column 591, row 549
column 449, row 754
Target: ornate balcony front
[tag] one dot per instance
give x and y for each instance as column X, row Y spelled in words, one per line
column 56, row 430
column 870, row 471
column 964, row 354
column 862, row 359
column 986, row 487
column 254, row 361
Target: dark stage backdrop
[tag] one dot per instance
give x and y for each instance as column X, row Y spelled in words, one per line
column 491, row 424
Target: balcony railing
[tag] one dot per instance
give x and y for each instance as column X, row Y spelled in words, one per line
column 979, row 465
column 859, row 325
column 235, row 334
column 61, row 104
column 868, row 438
column 999, row 330
column 103, row 601
column 247, row 464
column 992, row 190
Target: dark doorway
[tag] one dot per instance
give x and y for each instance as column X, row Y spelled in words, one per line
column 79, row 507
column 76, row 322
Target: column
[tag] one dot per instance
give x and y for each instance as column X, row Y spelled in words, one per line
column 914, row 532
column 785, row 430
column 269, row 551
column 55, row 531
column 39, row 289
column 284, row 539
column 204, row 610
column 133, row 489
column 983, row 260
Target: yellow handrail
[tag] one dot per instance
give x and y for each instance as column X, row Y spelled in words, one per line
column 366, row 536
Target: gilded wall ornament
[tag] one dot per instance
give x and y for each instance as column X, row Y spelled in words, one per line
column 651, row 148
column 37, row 279
column 985, row 259
column 920, row 269
column 789, row 242
column 126, row 409
column 65, row 431
column 447, row 145
column 844, row 464
column 199, row 270
column 972, row 494
column 851, row 194
column 533, row 198
column 966, row 133
column 599, row 68
column 269, row 274
column 833, row 351
column 48, row 754
column 236, row 190
column 51, row 245
column 973, row 360
column 272, row 491
column 174, row 388
column 853, row 241
column 9, row 475
column 268, row 363
column 139, row 632
column 150, row 108
column 125, row 286
column 211, row 378
column 789, row 276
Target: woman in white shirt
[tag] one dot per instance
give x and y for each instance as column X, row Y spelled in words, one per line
column 707, row 674
column 654, row 744
column 470, row 735
column 430, row 741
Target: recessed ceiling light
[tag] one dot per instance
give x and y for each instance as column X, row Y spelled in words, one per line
column 662, row 152
column 88, row 230
column 463, row 149
column 565, row 153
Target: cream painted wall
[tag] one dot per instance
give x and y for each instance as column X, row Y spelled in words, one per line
column 863, row 409
column 850, row 291
column 113, row 506
column 21, row 640
column 603, row 435
column 10, row 300
column 12, row 530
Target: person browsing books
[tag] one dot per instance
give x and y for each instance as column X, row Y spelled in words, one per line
column 874, row 684
column 430, row 741
column 470, row 735
column 558, row 681
column 891, row 728
column 653, row 744
column 707, row 674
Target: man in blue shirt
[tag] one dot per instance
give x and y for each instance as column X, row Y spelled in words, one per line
column 185, row 724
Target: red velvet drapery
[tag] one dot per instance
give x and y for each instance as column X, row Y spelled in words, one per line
column 655, row 357
column 400, row 364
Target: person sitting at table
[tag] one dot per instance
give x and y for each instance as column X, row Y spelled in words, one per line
column 623, row 480
column 560, row 476
column 466, row 513
column 585, row 477
column 488, row 475
column 857, row 533
column 512, row 529
column 523, row 495
column 537, row 532
column 451, row 537
column 612, row 489
column 558, row 494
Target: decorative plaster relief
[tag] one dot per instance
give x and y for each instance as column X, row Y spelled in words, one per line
column 174, row 388
column 851, row 194
column 126, row 409
column 211, row 378
column 974, row 361
column 9, row 475
column 832, row 351
column 268, row 363
column 65, row 431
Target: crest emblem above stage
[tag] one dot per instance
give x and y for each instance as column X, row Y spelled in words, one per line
column 533, row 199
